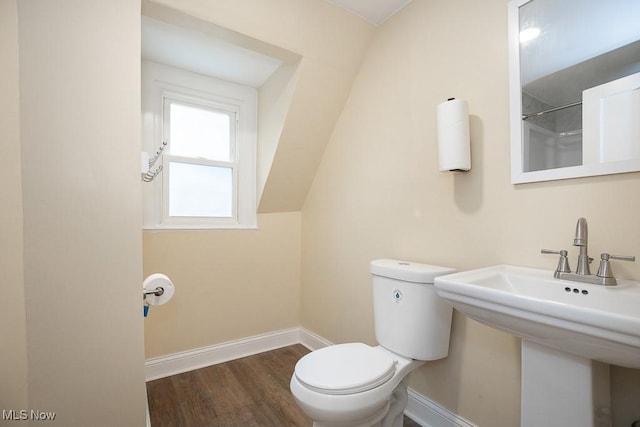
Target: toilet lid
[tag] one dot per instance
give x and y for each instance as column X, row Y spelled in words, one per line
column 345, row 369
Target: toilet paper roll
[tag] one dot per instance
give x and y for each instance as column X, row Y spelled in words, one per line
column 454, row 151
column 155, row 281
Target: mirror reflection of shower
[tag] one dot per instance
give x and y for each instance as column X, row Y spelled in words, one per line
column 551, row 139
column 546, row 149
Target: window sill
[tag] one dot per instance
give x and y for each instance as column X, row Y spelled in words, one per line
column 198, row 227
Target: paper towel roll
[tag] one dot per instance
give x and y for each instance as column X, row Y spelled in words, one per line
column 454, row 152
column 155, row 281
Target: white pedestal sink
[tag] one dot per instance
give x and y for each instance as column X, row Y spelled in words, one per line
column 570, row 332
column 560, row 389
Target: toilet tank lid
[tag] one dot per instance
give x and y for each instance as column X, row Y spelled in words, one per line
column 408, row 271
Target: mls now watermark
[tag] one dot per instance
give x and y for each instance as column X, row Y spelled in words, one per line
column 24, row 414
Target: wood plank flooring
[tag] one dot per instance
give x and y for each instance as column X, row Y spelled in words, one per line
column 247, row 392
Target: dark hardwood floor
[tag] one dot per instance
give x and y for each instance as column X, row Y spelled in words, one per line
column 252, row 391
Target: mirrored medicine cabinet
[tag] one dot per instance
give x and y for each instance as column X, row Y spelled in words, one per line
column 574, row 88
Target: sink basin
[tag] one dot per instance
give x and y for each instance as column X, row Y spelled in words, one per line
column 591, row 321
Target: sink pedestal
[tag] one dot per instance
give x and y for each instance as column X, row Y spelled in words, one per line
column 563, row 390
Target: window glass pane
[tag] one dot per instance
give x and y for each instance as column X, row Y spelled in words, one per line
column 199, row 132
column 200, row 190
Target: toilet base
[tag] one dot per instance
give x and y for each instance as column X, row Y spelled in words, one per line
column 371, row 421
column 397, row 404
column 390, row 415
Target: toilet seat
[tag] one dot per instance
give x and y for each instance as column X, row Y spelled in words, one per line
column 345, row 369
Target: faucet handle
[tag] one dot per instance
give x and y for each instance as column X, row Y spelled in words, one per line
column 605, row 266
column 561, row 252
column 563, row 262
column 620, row 257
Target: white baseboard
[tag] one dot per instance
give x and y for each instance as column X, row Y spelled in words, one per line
column 422, row 410
column 428, row 413
column 312, row 341
column 177, row 363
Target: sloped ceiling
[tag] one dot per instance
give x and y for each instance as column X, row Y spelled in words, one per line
column 321, row 47
column 206, row 54
column 374, row 11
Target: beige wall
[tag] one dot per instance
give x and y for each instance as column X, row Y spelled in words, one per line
column 79, row 71
column 13, row 357
column 378, row 193
column 230, row 284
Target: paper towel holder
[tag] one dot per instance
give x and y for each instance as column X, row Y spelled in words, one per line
column 454, row 148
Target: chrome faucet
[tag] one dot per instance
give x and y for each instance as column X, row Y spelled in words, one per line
column 604, row 276
column 581, row 240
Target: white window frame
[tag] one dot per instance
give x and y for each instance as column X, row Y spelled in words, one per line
column 161, row 86
column 233, row 163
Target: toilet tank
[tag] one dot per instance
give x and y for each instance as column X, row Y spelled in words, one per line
column 410, row 318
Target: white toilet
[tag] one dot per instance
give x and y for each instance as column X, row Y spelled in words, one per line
column 352, row 385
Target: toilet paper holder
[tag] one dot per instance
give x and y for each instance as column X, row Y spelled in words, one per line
column 157, row 292
column 157, row 289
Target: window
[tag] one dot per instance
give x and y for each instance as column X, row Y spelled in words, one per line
column 201, row 164
column 208, row 165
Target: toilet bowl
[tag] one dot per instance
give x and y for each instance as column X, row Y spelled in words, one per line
column 354, row 384
column 350, row 384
